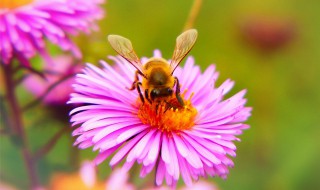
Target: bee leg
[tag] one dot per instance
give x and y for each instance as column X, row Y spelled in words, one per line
column 169, row 105
column 146, row 94
column 157, row 107
column 179, row 98
column 137, row 84
column 136, row 80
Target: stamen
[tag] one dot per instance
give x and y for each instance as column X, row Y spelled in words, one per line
column 167, row 115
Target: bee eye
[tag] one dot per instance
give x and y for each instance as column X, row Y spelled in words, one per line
column 169, row 90
column 154, row 93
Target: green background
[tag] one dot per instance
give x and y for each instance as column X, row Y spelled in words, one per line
column 281, row 150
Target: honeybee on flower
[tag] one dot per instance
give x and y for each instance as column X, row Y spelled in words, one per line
column 158, row 80
column 193, row 140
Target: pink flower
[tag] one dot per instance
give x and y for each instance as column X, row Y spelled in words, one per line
column 88, row 173
column 86, row 179
column 62, row 69
column 118, row 180
column 200, row 185
column 191, row 141
column 25, row 24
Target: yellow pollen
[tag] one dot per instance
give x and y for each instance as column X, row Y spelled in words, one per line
column 12, row 4
column 167, row 115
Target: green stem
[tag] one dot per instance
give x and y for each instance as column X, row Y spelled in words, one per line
column 194, row 11
column 16, row 124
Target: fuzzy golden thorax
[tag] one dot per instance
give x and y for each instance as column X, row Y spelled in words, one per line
column 158, row 77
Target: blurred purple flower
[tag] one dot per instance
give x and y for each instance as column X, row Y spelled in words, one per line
column 88, row 173
column 86, row 178
column 60, row 72
column 24, row 24
column 193, row 140
column 268, row 34
column 200, row 185
column 119, row 180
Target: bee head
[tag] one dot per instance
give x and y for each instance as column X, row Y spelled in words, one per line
column 160, row 92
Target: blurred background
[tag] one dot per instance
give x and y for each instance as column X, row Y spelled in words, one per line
column 271, row 48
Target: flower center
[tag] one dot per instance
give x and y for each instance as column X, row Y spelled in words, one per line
column 11, row 4
column 167, row 115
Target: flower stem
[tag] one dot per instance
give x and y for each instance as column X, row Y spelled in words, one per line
column 16, row 124
column 193, row 14
column 50, row 144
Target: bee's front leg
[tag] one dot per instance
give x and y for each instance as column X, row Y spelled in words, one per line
column 139, row 91
column 146, row 94
column 136, row 80
column 136, row 84
column 179, row 98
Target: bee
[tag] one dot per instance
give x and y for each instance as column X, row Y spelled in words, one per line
column 158, row 81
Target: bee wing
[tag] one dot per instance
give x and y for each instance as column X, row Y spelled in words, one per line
column 124, row 47
column 184, row 44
